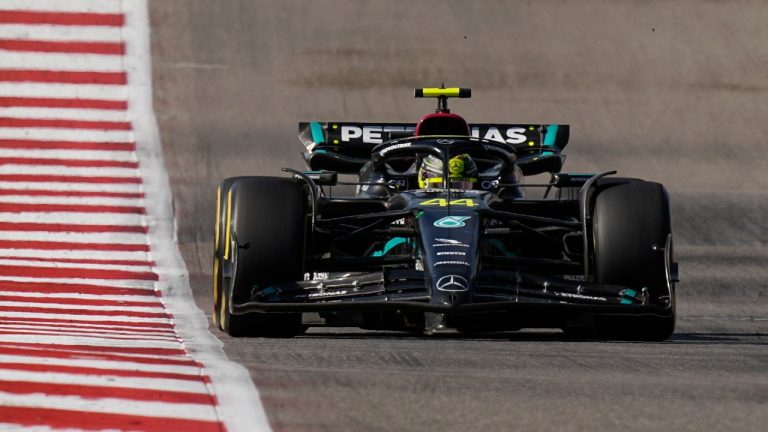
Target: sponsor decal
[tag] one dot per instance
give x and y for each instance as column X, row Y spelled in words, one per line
column 580, row 296
column 439, row 263
column 370, row 134
column 327, row 293
column 456, row 165
column 317, row 276
column 453, row 253
column 393, row 147
column 513, row 135
column 492, row 148
column 451, row 222
column 449, row 242
column 377, row 133
column 452, row 283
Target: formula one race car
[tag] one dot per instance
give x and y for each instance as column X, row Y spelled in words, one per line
column 440, row 236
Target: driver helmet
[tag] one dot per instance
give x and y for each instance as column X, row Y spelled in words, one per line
column 462, row 172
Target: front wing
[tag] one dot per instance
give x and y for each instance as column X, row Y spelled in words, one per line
column 493, row 291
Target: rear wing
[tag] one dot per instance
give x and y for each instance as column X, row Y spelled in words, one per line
column 345, row 147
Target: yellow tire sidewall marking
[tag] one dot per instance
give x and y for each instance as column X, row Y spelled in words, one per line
column 222, row 312
column 216, row 288
column 217, row 233
column 227, row 234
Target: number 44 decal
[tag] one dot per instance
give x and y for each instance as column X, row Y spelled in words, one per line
column 442, row 202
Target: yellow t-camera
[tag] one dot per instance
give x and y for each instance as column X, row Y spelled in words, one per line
column 443, row 92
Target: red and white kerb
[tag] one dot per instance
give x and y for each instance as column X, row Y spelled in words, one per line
column 86, row 341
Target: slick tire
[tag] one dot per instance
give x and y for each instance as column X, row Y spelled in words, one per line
column 631, row 225
column 263, row 244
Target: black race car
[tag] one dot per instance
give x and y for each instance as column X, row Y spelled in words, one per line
column 440, row 234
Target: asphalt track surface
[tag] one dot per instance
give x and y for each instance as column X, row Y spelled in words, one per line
column 674, row 92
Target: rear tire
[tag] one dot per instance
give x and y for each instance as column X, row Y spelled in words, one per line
column 631, row 225
column 263, row 244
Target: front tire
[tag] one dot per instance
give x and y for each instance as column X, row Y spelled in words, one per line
column 263, row 245
column 632, row 239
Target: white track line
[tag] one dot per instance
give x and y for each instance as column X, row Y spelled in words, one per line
column 76, row 218
column 96, row 327
column 53, row 134
column 94, row 238
column 92, row 318
column 103, row 352
column 69, row 186
column 156, row 308
column 76, row 254
column 102, row 343
column 113, row 406
column 68, row 171
column 117, row 283
column 60, row 33
column 63, row 62
column 120, row 156
column 101, row 364
column 69, row 91
column 93, row 6
column 64, row 113
column 89, row 331
column 51, row 326
column 136, row 339
column 106, row 381
column 81, row 296
column 62, row 265
column 119, row 202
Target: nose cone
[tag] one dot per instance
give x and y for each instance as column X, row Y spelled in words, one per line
column 450, row 254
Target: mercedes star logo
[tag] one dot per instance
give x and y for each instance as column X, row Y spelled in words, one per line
column 452, row 283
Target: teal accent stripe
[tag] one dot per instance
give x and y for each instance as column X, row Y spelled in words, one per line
column 549, row 137
column 628, row 293
column 317, row 133
column 500, row 246
column 389, row 245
